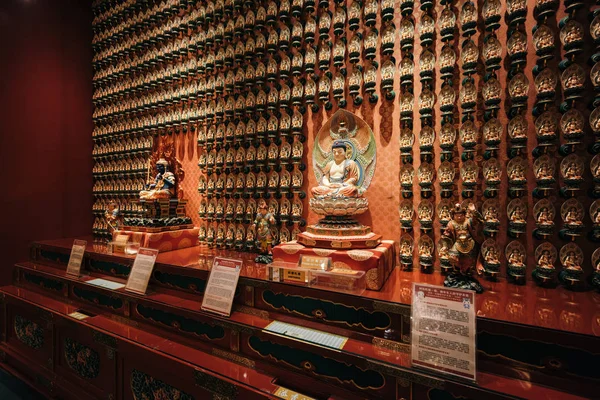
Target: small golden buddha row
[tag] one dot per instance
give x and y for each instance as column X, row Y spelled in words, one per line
column 448, row 132
column 427, row 100
column 594, row 121
column 468, row 132
column 571, row 128
column 517, row 86
column 240, row 236
column 407, row 136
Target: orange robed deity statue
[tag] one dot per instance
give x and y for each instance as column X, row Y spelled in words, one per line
column 340, row 175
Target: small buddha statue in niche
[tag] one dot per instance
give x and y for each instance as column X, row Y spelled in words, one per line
column 164, row 183
column 517, row 173
column 572, row 217
column 515, row 258
column 544, row 217
column 545, row 260
column 517, row 215
column 405, row 249
column 339, row 175
column 596, row 217
column 425, row 250
column 544, row 172
column 571, row 261
column 491, row 256
column 572, row 172
column 491, row 215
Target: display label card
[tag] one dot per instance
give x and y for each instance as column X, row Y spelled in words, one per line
column 307, row 334
column 288, row 394
column 141, row 271
column 106, row 284
column 315, row 262
column 79, row 315
column 443, row 330
column 77, row 252
column 121, row 239
column 294, row 275
column 222, row 282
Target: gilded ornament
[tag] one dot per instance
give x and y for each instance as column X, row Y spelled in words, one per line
column 407, row 31
column 543, row 41
column 518, row 88
column 447, row 22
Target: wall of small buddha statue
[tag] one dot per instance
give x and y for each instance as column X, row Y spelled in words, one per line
column 490, row 102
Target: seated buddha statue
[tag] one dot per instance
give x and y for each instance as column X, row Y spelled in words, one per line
column 340, row 175
column 163, row 186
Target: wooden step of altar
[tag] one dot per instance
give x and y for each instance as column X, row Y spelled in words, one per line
column 100, row 358
column 511, row 338
column 241, row 332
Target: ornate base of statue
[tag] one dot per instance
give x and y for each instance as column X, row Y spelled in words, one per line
column 544, row 277
column 596, row 280
column 571, row 279
column 160, row 215
column 338, row 229
column 460, row 281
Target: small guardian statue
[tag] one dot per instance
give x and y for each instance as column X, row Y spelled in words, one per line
column 463, row 232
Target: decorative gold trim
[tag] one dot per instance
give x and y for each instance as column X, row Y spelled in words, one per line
column 104, row 339
column 252, row 311
column 231, row 326
column 249, row 299
column 327, row 320
column 406, row 375
column 308, row 367
column 236, row 358
column 523, row 364
column 124, row 320
column 391, row 345
column 235, row 341
column 254, row 283
column 393, row 308
column 215, row 385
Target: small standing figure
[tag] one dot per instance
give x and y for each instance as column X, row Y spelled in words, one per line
column 464, row 232
column 113, row 216
column 263, row 222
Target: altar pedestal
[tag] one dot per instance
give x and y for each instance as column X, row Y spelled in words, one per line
column 377, row 262
column 163, row 241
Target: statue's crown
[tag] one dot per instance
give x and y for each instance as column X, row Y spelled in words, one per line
column 339, row 144
column 458, row 209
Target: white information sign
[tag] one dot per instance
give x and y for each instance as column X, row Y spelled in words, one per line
column 104, row 283
column 307, row 334
column 77, row 252
column 222, row 282
column 443, row 330
column 141, row 270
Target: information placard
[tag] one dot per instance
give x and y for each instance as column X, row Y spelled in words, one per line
column 141, row 271
column 315, row 262
column 443, row 330
column 77, row 252
column 220, row 289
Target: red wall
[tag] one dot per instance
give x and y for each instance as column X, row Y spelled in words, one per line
column 45, row 123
